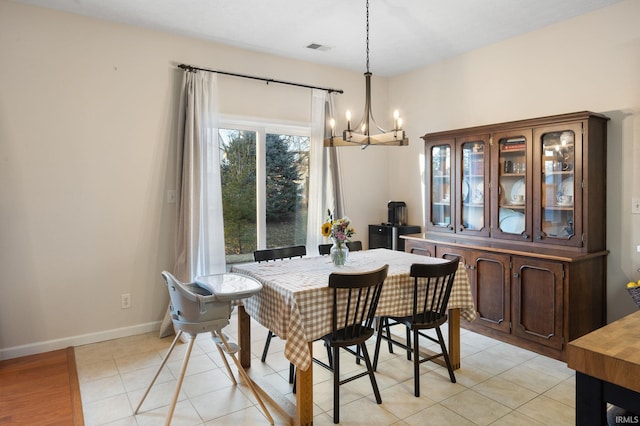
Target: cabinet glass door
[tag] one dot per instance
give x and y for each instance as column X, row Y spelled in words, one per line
column 513, row 198
column 561, row 186
column 441, row 197
column 473, row 185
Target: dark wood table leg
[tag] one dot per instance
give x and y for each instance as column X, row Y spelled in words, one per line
column 454, row 337
column 591, row 408
column 244, row 337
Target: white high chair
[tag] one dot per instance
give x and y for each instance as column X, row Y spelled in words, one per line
column 202, row 308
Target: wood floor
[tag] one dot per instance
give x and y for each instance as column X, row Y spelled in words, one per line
column 41, row 389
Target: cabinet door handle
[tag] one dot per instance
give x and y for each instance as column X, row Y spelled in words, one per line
column 450, row 228
column 471, row 266
column 525, row 236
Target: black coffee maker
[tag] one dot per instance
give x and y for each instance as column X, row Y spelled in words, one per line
column 397, row 213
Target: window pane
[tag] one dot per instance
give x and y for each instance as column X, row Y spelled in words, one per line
column 238, row 176
column 287, row 164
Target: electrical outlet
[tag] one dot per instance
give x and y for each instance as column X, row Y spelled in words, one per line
column 125, row 301
column 635, row 205
column 171, row 196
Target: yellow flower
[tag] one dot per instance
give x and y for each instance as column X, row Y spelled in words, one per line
column 326, row 229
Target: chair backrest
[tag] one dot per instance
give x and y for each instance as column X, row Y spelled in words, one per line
column 351, row 245
column 431, row 290
column 324, row 249
column 279, row 253
column 354, row 245
column 192, row 304
column 355, row 300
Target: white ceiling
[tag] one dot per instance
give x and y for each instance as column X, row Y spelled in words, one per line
column 404, row 34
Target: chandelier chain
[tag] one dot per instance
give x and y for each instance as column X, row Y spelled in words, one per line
column 367, row 35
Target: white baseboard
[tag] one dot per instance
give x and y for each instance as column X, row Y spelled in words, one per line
column 84, row 339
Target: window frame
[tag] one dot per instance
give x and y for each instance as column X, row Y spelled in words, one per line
column 262, row 127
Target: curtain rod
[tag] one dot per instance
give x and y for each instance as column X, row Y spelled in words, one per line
column 268, row 80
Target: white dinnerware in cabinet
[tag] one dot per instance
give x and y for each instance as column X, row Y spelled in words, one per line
column 458, row 186
column 560, row 184
column 539, row 273
column 511, row 170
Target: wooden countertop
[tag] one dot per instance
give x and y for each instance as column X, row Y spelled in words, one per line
column 511, row 247
column 610, row 353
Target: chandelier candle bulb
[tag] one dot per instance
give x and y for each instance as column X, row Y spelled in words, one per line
column 348, row 120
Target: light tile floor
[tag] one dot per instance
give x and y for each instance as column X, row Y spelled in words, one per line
column 498, row 384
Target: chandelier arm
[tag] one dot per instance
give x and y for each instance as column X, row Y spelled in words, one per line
column 367, row 116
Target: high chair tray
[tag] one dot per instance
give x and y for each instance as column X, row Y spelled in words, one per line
column 229, row 286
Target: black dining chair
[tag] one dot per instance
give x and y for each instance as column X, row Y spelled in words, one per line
column 278, row 253
column 431, row 291
column 325, row 249
column 355, row 299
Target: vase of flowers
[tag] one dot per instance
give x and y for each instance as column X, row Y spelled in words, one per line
column 339, row 230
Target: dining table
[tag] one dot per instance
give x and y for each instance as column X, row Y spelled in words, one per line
column 295, row 304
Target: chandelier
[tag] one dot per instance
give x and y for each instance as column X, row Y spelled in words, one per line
column 361, row 133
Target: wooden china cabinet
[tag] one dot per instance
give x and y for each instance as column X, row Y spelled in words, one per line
column 523, row 204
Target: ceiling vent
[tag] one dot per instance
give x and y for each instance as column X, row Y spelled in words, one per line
column 316, row 46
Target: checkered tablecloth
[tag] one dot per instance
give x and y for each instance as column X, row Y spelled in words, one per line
column 295, row 301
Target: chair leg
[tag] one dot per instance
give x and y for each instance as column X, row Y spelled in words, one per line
column 409, row 343
column 292, row 373
column 245, row 377
column 183, row 370
column 446, row 355
column 266, row 346
column 372, row 377
column 164, row 361
column 376, row 351
column 294, row 379
column 224, row 359
column 416, row 363
column 336, row 385
column 329, row 355
column 386, row 324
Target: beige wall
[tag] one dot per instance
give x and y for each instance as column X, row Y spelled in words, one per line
column 87, row 125
column 87, row 142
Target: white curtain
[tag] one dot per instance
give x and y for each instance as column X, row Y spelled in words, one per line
column 324, row 174
column 200, row 231
column 334, row 166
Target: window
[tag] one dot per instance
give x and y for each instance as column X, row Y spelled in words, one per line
column 264, row 171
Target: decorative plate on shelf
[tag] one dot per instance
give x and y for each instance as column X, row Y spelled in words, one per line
column 518, row 188
column 465, row 191
column 511, row 221
column 566, row 187
column 478, row 193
